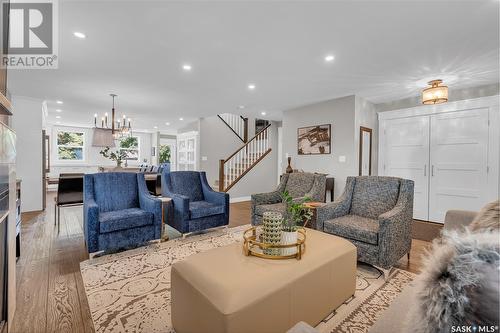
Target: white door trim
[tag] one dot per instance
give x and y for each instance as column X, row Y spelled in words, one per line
column 425, row 110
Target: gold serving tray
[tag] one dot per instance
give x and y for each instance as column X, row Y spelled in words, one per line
column 253, row 247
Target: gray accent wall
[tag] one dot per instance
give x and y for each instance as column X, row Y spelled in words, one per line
column 217, row 142
column 340, row 113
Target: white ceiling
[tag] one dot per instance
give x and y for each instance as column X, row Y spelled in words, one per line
column 137, row 48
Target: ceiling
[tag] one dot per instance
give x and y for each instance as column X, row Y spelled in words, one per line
column 383, row 51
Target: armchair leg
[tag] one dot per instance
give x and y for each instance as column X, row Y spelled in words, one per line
column 385, row 272
column 408, row 256
column 58, row 219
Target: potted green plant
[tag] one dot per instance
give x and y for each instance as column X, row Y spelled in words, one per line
column 117, row 156
column 296, row 215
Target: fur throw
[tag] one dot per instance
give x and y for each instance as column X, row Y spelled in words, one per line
column 487, row 218
column 459, row 284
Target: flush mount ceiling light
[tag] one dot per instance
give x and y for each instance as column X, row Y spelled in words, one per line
column 59, row 102
column 187, row 67
column 181, row 119
column 263, row 113
column 58, row 117
column 167, row 123
column 80, row 35
column 329, row 58
column 435, row 94
column 58, row 110
column 251, row 86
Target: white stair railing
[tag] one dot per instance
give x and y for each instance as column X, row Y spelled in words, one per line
column 233, row 168
column 237, row 123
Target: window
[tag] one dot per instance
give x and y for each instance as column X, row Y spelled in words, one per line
column 70, row 146
column 130, row 146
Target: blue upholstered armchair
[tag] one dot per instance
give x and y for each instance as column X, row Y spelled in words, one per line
column 196, row 206
column 118, row 211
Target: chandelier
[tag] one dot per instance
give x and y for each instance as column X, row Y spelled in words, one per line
column 435, row 94
column 119, row 128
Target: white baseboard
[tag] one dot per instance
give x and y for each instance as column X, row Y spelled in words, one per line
column 239, row 199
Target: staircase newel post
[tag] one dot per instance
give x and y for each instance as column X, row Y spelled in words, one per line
column 245, row 130
column 221, row 175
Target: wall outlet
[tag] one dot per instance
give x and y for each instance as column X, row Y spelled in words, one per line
column 204, row 158
column 342, row 159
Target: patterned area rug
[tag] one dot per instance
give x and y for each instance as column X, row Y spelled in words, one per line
column 130, row 291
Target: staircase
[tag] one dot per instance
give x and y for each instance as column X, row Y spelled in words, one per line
column 233, row 168
column 237, row 124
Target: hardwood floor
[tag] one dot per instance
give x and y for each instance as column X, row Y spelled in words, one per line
column 50, row 295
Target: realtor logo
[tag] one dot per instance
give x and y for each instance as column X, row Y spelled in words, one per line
column 30, row 35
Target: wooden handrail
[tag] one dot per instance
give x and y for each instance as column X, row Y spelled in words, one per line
column 245, row 128
column 246, row 171
column 246, row 144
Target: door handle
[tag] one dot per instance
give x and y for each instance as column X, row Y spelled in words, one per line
column 425, row 170
column 432, row 171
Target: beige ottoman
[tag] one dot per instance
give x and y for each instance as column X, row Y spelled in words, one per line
column 222, row 290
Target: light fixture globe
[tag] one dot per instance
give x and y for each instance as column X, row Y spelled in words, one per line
column 435, row 94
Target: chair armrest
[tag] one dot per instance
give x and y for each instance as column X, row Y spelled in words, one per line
column 91, row 224
column 338, row 208
column 266, row 198
column 331, row 211
column 149, row 203
column 458, row 219
column 218, row 198
column 395, row 227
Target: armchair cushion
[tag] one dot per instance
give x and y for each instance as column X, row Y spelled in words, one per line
column 300, row 183
column 187, row 183
column 355, row 227
column 277, row 207
column 374, row 196
column 116, row 191
column 124, row 219
column 199, row 209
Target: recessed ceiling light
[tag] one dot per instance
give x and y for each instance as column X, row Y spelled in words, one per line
column 167, row 123
column 187, row 67
column 155, row 127
column 58, row 117
column 181, row 119
column 58, row 122
column 241, row 107
column 263, row 113
column 80, row 35
column 59, row 102
column 251, row 86
column 58, row 110
column 329, row 58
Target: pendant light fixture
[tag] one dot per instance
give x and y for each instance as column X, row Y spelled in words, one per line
column 107, row 132
column 435, row 94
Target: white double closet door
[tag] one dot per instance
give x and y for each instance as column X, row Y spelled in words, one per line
column 446, row 155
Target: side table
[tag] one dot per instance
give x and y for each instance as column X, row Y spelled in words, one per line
column 312, row 206
column 164, row 202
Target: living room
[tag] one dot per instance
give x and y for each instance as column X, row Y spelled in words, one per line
column 218, row 166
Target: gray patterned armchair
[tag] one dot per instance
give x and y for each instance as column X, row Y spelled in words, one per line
column 299, row 185
column 375, row 214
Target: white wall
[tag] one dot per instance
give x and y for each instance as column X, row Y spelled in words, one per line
column 27, row 123
column 92, row 158
column 340, row 113
column 217, row 142
column 366, row 116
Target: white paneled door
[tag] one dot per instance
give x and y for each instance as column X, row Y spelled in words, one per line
column 407, row 156
column 458, row 156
